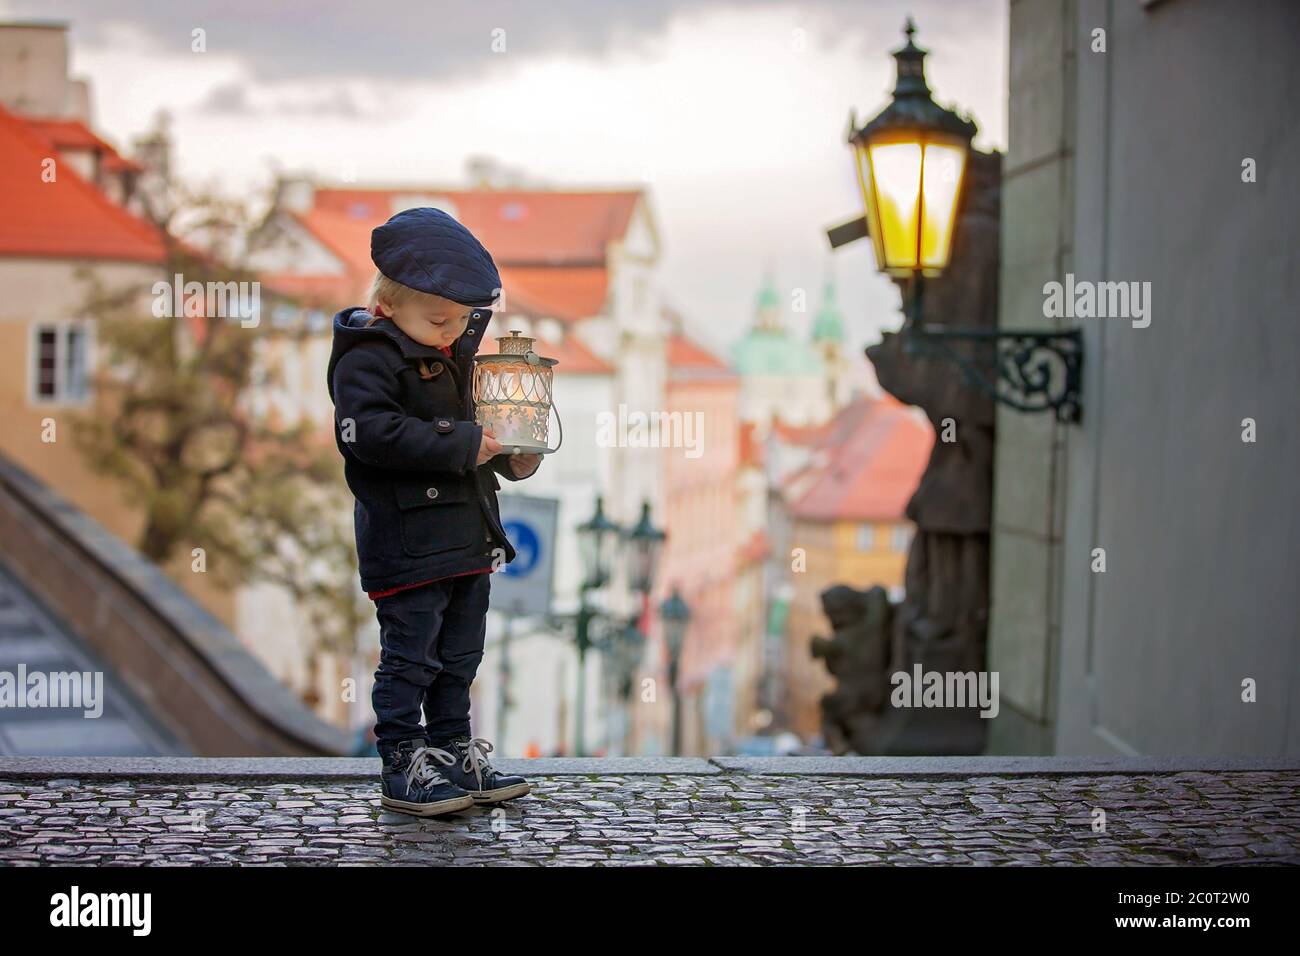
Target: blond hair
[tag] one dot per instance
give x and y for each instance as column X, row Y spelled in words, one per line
column 392, row 292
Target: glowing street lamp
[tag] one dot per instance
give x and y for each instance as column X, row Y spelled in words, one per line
column 911, row 162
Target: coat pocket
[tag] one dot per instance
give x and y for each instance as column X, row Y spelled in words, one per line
column 436, row 515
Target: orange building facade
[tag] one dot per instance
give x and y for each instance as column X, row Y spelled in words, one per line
column 843, row 518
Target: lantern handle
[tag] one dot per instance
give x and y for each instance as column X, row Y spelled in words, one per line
column 561, row 426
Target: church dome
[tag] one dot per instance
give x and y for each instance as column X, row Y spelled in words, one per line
column 828, row 326
column 768, row 349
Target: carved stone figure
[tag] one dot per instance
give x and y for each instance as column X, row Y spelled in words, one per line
column 858, row 655
column 942, row 622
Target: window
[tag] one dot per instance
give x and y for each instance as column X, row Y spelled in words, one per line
column 61, row 360
column 901, row 537
column 283, row 316
column 866, row 537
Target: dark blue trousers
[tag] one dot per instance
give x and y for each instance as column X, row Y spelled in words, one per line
column 430, row 646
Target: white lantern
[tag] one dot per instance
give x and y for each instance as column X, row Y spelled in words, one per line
column 512, row 396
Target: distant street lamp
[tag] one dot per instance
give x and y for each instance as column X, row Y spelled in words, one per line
column 625, row 657
column 912, row 161
column 675, row 614
column 599, row 541
column 596, row 538
column 643, row 545
column 644, row 542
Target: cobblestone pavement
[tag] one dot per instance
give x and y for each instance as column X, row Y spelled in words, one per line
column 722, row 819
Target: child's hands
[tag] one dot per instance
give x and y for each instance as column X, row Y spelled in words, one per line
column 524, row 465
column 488, row 447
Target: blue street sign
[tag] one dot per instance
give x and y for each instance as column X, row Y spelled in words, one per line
column 523, row 587
column 528, row 548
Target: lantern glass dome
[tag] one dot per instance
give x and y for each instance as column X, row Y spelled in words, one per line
column 512, row 395
column 911, row 163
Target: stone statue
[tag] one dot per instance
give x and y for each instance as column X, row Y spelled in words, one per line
column 942, row 623
column 858, row 655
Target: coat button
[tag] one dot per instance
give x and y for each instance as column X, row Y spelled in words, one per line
column 431, row 492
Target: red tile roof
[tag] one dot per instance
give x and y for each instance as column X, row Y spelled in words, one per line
column 519, row 227
column 684, row 353
column 346, row 237
column 65, row 219
column 574, row 358
column 692, row 365
column 69, row 134
column 566, row 293
column 867, row 467
column 549, row 246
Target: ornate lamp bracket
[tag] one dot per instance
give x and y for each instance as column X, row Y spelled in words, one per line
column 1031, row 371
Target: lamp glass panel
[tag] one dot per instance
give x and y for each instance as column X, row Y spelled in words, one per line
column 944, row 167
column 643, row 556
column 896, row 182
column 513, row 400
column 587, row 555
column 638, row 565
column 593, row 549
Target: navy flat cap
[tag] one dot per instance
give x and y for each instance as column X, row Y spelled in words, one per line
column 428, row 250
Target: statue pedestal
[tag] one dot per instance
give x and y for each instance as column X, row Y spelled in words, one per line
column 931, row 732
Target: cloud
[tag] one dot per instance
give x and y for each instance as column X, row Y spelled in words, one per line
column 398, row 40
column 241, row 99
column 228, row 99
column 738, row 130
column 419, row 40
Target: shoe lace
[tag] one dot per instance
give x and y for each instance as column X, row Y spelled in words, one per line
column 476, row 761
column 421, row 771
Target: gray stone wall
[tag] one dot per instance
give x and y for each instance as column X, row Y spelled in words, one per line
column 1199, row 528
column 1029, row 460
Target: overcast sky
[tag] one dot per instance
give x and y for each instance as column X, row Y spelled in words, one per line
column 733, row 114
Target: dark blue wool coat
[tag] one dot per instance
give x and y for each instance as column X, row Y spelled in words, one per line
column 424, row 509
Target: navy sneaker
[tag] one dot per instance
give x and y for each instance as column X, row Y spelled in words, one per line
column 472, row 772
column 412, row 783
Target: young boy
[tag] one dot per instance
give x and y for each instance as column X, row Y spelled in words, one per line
column 427, row 522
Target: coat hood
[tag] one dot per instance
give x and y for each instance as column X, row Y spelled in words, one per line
column 350, row 329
